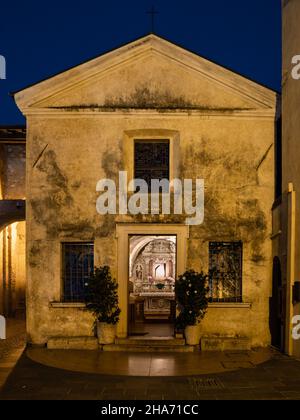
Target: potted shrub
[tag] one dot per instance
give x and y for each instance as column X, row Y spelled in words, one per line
column 191, row 295
column 102, row 300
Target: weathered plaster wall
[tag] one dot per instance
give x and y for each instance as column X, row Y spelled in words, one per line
column 12, row 270
column 291, row 124
column 233, row 155
column 13, row 171
column 81, row 125
column 161, row 90
column 12, row 237
column 18, row 271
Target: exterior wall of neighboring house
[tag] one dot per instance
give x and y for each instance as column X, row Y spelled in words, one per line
column 12, row 234
column 81, row 128
column 286, row 217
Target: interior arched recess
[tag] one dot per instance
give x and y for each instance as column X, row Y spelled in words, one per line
column 137, row 243
column 12, row 270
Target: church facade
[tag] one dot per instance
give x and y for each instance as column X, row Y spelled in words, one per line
column 150, row 109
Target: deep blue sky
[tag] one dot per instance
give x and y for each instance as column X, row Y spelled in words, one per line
column 40, row 38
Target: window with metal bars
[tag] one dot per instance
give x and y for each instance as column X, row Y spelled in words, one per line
column 78, row 264
column 225, row 267
column 151, row 160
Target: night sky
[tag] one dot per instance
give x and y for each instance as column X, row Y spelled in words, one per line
column 41, row 38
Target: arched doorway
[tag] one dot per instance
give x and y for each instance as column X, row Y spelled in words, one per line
column 13, row 271
column 152, row 268
column 276, row 319
column 123, row 232
column 12, row 258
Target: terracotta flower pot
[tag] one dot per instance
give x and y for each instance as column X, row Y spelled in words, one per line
column 106, row 333
column 192, row 335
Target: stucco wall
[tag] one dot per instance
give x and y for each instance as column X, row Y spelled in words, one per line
column 234, row 156
column 291, row 121
column 290, row 108
column 13, row 171
column 81, row 124
column 12, row 237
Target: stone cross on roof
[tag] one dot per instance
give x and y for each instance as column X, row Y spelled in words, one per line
column 152, row 13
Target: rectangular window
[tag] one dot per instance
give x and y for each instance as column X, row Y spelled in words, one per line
column 78, row 264
column 151, row 160
column 225, row 266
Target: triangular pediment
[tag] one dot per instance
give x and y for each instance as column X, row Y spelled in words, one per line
column 148, row 73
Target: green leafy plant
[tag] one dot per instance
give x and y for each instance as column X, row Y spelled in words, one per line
column 101, row 296
column 191, row 295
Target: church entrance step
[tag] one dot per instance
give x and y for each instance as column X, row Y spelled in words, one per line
column 225, row 343
column 72, row 343
column 155, row 341
column 148, row 348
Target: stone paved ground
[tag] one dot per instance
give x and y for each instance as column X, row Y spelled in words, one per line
column 278, row 379
column 11, row 348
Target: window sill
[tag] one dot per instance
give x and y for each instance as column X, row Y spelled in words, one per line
column 67, row 305
column 231, row 305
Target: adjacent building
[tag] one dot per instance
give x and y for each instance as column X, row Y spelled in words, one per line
column 286, row 209
column 12, row 221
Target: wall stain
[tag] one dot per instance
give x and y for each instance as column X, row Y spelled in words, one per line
column 54, row 175
column 229, row 216
column 144, row 97
column 35, row 254
column 111, row 163
column 54, row 203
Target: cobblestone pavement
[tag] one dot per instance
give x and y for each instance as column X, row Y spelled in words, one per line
column 278, row 379
column 12, row 348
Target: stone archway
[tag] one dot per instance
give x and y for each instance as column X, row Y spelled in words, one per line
column 152, row 272
column 13, row 270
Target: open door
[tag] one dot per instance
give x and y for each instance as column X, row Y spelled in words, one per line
column 152, row 273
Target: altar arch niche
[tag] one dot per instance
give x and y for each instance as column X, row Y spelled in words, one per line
column 152, row 273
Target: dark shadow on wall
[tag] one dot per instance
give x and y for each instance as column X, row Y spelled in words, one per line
column 276, row 307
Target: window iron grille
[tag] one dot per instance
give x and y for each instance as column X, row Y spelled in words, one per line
column 78, row 264
column 151, row 160
column 225, row 268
